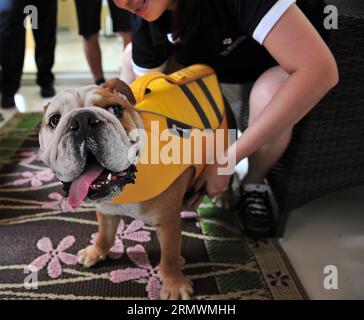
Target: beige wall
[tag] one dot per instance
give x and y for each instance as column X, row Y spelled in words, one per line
column 67, row 17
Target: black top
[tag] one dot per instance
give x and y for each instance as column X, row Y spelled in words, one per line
column 229, row 37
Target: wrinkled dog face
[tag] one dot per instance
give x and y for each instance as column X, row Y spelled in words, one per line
column 92, row 137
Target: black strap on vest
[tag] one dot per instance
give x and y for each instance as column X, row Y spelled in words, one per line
column 196, row 105
column 209, row 97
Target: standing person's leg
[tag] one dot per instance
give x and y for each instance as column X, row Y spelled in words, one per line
column 45, row 45
column 121, row 20
column 257, row 215
column 12, row 37
column 88, row 15
column 93, row 54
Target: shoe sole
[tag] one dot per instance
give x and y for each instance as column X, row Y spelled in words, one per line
column 257, row 234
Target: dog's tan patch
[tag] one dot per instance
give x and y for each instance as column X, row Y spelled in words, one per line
column 104, row 99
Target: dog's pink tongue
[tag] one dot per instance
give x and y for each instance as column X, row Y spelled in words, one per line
column 79, row 187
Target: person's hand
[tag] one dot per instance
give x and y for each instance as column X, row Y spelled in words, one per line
column 211, row 181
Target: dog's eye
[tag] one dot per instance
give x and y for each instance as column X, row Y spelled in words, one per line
column 116, row 110
column 54, row 120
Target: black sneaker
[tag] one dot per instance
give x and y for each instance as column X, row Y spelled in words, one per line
column 7, row 102
column 47, row 91
column 256, row 213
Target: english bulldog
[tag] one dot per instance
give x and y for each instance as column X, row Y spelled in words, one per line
column 86, row 136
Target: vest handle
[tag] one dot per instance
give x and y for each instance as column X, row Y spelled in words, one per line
column 184, row 76
column 139, row 86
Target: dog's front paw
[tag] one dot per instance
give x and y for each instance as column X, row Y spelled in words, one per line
column 176, row 287
column 91, row 255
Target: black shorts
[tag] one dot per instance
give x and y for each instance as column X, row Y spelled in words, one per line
column 89, row 12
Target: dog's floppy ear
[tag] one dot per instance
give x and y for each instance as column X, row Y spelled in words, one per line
column 121, row 87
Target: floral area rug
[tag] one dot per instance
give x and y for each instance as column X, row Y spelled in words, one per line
column 40, row 236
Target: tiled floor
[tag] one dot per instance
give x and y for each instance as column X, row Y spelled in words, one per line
column 69, row 54
column 328, row 231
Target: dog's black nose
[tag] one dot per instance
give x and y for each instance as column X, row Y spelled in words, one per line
column 84, row 122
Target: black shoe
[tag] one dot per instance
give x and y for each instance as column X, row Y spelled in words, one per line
column 47, row 91
column 256, row 213
column 7, row 102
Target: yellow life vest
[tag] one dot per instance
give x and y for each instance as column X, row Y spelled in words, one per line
column 189, row 99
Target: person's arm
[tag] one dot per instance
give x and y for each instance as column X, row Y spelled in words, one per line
column 312, row 69
column 301, row 52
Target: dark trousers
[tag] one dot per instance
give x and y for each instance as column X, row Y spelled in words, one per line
column 12, row 43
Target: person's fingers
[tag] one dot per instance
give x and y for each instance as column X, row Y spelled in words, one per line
column 199, row 184
column 213, row 189
column 212, row 193
column 196, row 203
column 191, row 200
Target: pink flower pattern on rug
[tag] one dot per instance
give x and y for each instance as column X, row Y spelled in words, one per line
column 36, row 179
column 132, row 232
column 188, row 214
column 145, row 270
column 52, row 256
column 59, row 200
column 29, row 157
